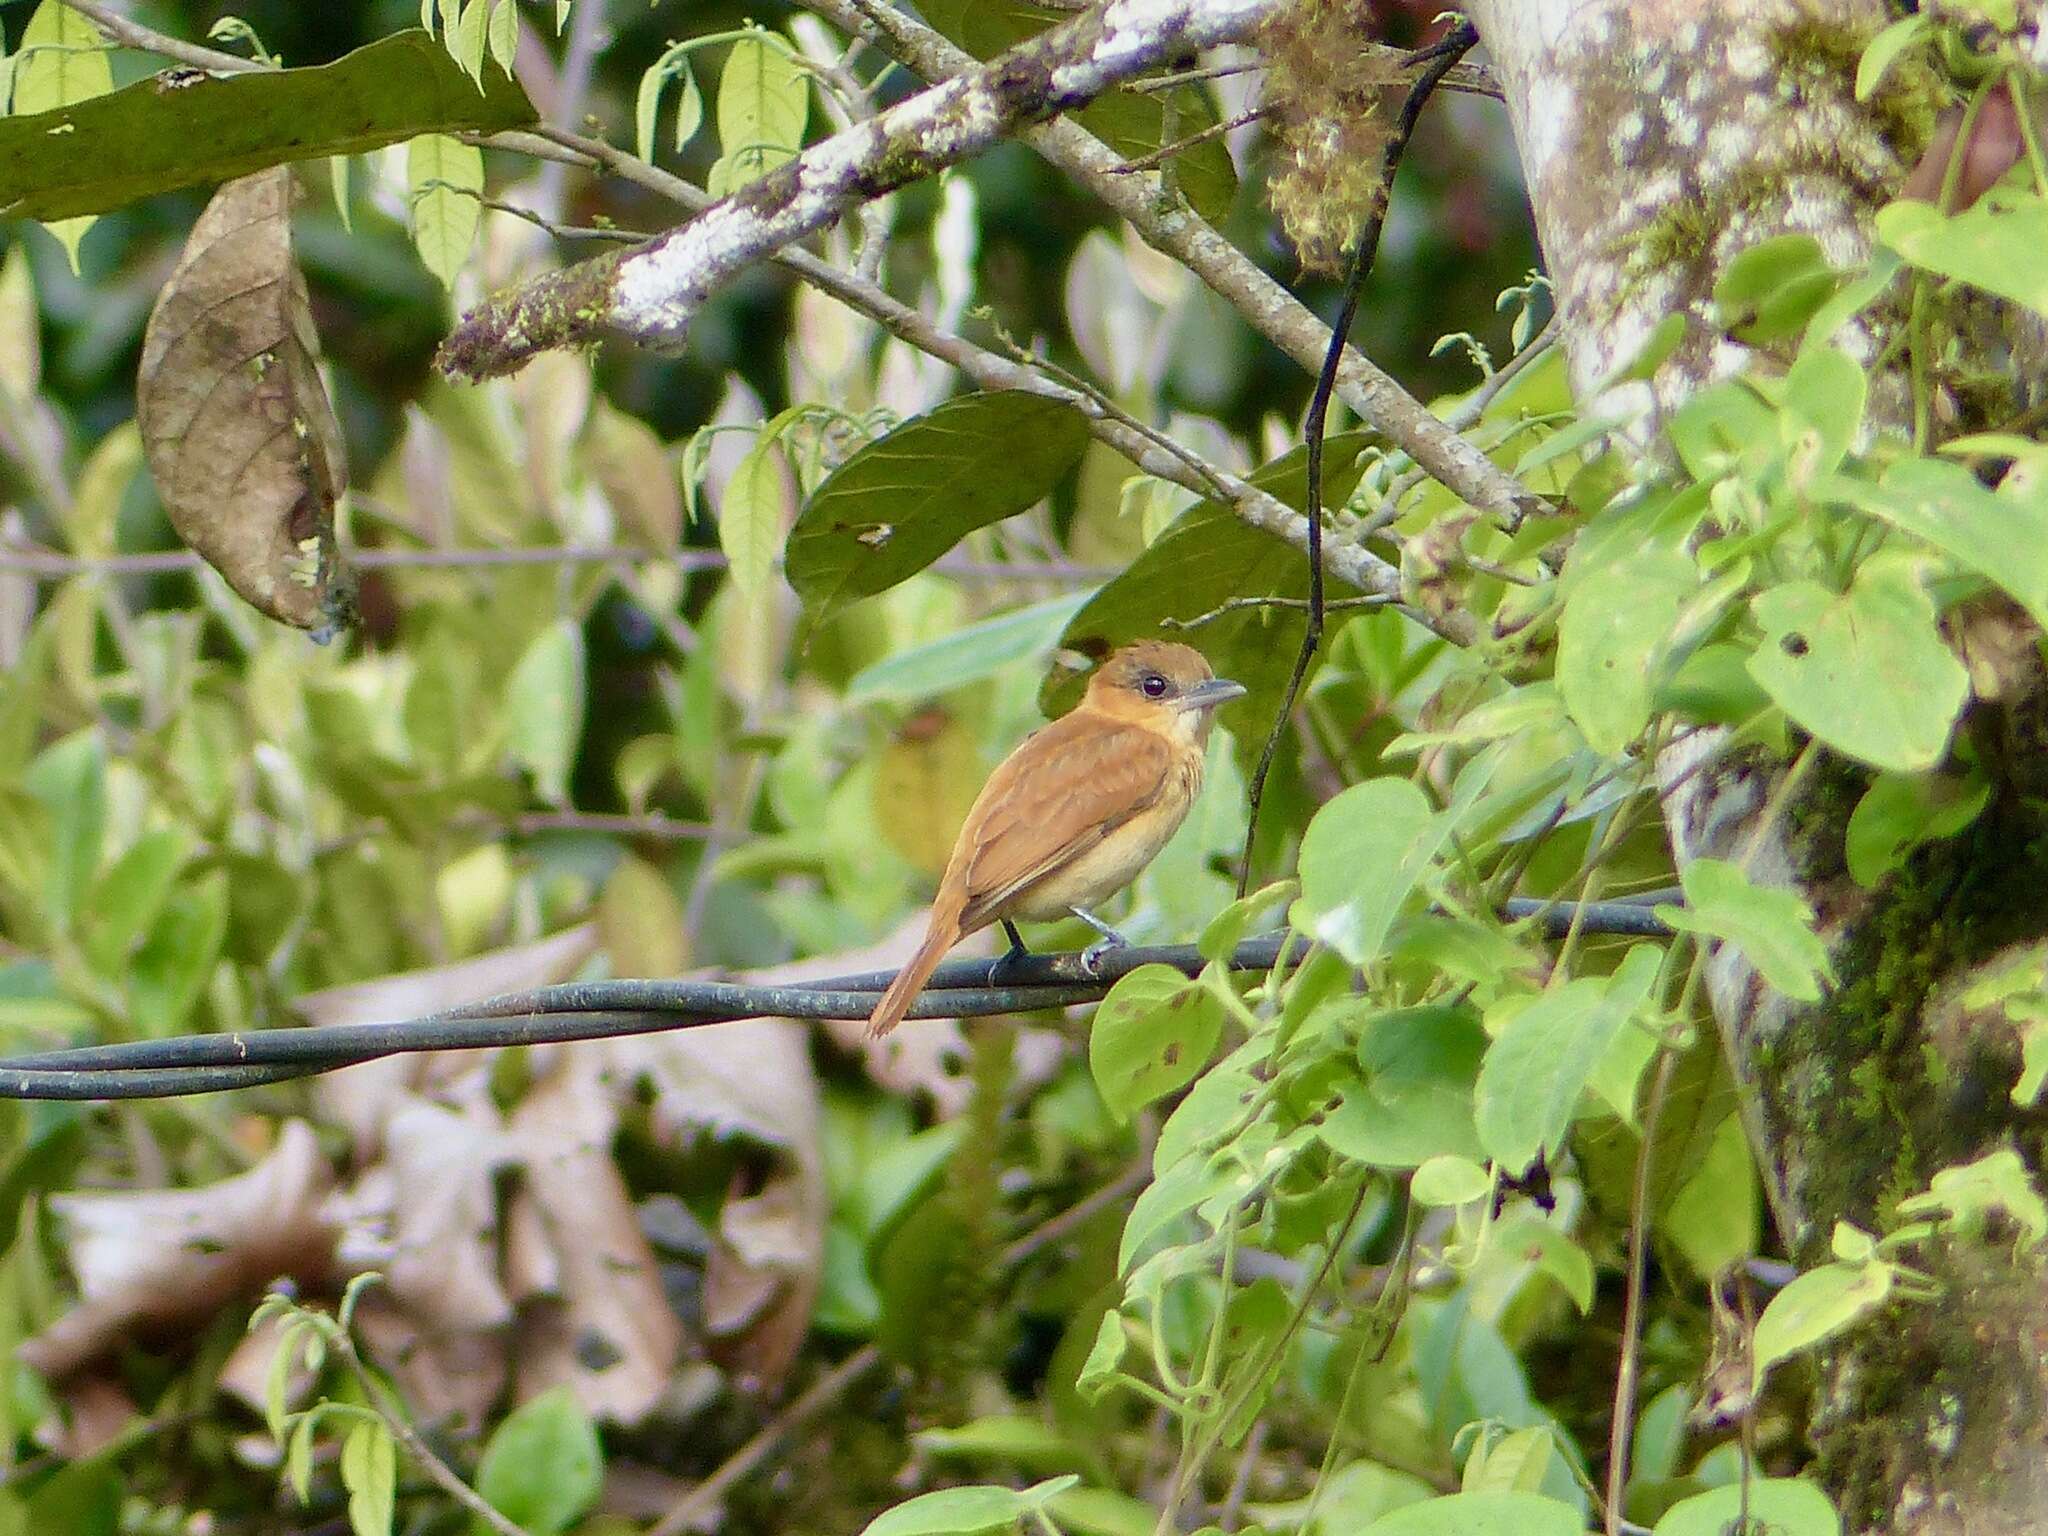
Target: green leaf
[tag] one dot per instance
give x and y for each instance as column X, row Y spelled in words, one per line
column 1724, row 429
column 763, row 105
column 1529, row 1240
column 1481, row 1514
column 1815, row 1306
column 1997, row 1183
column 1773, row 928
column 1712, row 1219
column 2001, row 535
column 1102, row 1512
column 127, row 899
column 908, row 497
column 1007, row 1437
column 466, row 42
column 1825, row 392
column 1867, row 670
column 1105, row 1357
column 1152, row 1035
column 1616, row 627
column 544, row 700
column 1901, row 811
column 1179, row 1189
column 1448, row 1180
column 1419, row 1066
column 504, row 33
column 113, row 150
column 964, row 1511
column 369, row 1470
column 543, row 1468
column 1545, row 1056
column 1781, row 1506
column 1885, row 49
column 1517, row 1461
column 175, row 961
column 672, row 65
column 1361, row 859
column 447, row 179
column 750, row 517
column 62, row 62
column 966, row 655
column 1999, row 243
column 82, row 1499
column 70, row 779
column 1773, row 288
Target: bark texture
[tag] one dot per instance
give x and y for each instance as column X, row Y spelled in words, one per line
column 1661, row 138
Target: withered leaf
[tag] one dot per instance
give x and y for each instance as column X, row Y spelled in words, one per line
column 235, row 421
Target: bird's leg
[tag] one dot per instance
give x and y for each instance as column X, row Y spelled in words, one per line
column 1006, row 963
column 1091, row 957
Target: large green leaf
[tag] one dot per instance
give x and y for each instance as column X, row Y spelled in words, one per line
column 1360, row 860
column 966, row 655
column 1999, row 244
column 543, row 1467
column 1772, row 927
column 111, row 150
column 763, row 105
column 1784, row 1506
column 1865, row 670
column 1482, row 1514
column 1131, row 123
column 962, row 1511
column 908, row 497
column 1207, row 557
column 2001, row 535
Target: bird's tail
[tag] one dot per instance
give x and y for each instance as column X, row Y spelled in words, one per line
column 942, row 934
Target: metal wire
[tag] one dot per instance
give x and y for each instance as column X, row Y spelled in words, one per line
column 599, row 1010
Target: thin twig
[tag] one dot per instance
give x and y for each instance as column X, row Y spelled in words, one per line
column 377, row 1397
column 133, row 34
column 1439, row 58
column 1166, row 152
column 1623, row 1427
column 820, row 1395
column 1239, row 604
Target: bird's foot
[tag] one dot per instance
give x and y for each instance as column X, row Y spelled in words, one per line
column 1092, row 956
column 1004, row 968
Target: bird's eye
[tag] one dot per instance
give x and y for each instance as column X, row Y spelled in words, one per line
column 1154, row 686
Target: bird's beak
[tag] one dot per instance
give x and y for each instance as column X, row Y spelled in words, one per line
column 1207, row 695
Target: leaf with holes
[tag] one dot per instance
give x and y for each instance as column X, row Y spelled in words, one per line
column 908, row 497
column 235, row 420
column 1865, row 670
column 1151, row 1035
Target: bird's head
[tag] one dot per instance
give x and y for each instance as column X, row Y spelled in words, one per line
column 1169, row 686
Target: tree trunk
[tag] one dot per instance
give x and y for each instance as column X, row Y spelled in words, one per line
column 1659, row 139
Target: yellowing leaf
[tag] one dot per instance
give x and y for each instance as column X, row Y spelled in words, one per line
column 62, row 61
column 447, row 177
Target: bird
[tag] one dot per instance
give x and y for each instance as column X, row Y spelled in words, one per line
column 1076, row 811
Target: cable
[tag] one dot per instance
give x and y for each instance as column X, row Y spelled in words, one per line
column 599, row 1010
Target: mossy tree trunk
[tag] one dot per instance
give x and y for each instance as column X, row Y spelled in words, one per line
column 1660, row 138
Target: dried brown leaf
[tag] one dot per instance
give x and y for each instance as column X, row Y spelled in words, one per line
column 237, row 425
column 593, row 1314
column 154, row 1261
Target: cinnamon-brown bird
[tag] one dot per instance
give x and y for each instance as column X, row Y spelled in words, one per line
column 1077, row 810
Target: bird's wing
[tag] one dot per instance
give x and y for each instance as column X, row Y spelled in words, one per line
column 1057, row 796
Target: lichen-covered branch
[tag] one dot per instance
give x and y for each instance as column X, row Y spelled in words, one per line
column 650, row 293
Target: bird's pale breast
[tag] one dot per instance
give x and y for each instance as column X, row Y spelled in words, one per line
column 1117, row 860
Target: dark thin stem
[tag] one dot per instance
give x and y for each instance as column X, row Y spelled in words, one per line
column 1438, row 58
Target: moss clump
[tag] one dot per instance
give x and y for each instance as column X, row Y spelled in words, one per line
column 1816, row 56
column 1874, row 1112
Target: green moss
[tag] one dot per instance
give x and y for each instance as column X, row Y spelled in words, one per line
column 1857, row 1084
column 1812, row 53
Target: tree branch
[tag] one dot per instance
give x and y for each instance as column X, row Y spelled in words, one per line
column 651, row 293
column 1169, row 225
